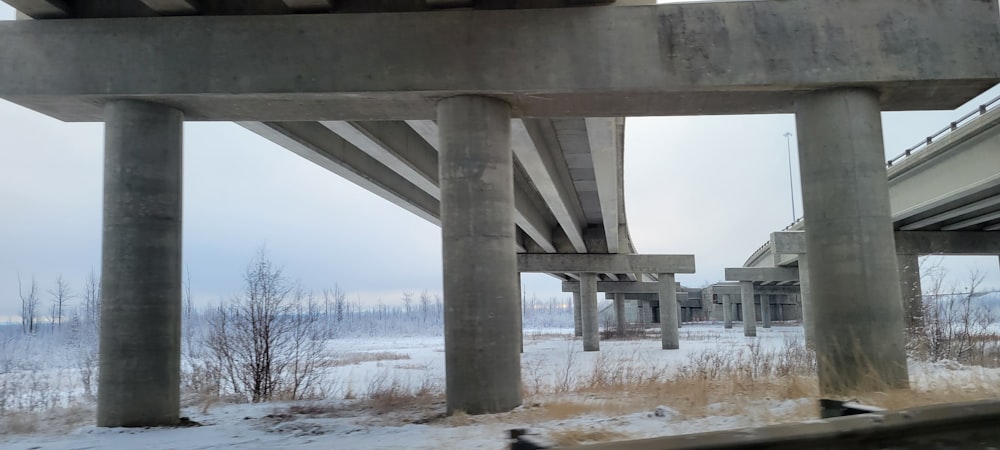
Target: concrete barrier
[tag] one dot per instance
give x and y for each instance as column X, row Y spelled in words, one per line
column 951, row 426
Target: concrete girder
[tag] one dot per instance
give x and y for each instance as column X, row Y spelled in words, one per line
column 318, row 144
column 601, row 263
column 619, row 287
column 972, row 208
column 910, row 242
column 571, row 62
column 395, row 145
column 762, row 274
column 173, row 7
column 42, row 9
column 527, row 215
column 968, row 223
column 603, row 139
column 539, row 163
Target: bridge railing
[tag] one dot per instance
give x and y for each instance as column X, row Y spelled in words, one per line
column 971, row 116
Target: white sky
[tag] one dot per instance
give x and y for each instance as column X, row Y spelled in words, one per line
column 712, row 186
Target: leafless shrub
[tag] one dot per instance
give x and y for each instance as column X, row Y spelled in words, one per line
column 267, row 342
column 955, row 325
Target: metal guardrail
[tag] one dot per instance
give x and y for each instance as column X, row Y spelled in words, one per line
column 972, row 115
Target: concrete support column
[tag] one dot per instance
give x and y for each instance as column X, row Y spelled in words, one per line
column 670, row 336
column 577, row 318
column 854, row 277
column 749, row 315
column 481, row 302
column 520, row 313
column 680, row 315
column 140, row 337
column 765, row 310
column 588, row 312
column 727, row 311
column 620, row 314
column 909, row 284
column 808, row 322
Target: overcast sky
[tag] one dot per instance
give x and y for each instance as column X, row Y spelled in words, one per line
column 712, row 186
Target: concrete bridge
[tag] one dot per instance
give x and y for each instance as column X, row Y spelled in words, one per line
column 944, row 198
column 519, row 111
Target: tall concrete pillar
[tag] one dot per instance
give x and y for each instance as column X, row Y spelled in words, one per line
column 520, row 313
column 808, row 322
column 577, row 317
column 727, row 311
column 909, row 284
column 667, row 288
column 482, row 359
column 749, row 315
column 765, row 310
column 854, row 278
column 680, row 315
column 588, row 312
column 620, row 314
column 140, row 338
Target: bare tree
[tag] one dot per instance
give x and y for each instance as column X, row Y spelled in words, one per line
column 60, row 295
column 425, row 305
column 29, row 306
column 92, row 300
column 267, row 340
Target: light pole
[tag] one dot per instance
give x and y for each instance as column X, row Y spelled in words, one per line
column 791, row 184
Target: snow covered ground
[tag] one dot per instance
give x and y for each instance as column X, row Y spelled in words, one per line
column 384, row 393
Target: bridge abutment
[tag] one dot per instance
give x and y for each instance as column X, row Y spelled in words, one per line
column 482, row 347
column 140, row 335
column 853, row 279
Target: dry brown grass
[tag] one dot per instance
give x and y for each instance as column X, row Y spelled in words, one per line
column 348, row 359
column 577, row 436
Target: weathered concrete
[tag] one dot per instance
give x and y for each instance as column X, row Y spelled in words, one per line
column 604, row 263
column 620, row 315
column 670, row 337
column 749, row 316
column 854, row 279
column 762, row 58
column 577, row 318
column 140, row 337
column 482, row 361
column 912, row 296
column 954, row 425
column 727, row 311
column 762, row 274
column 618, row 287
column 805, row 297
column 765, row 310
column 589, row 315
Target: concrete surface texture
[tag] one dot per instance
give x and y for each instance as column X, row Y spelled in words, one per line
column 749, row 319
column 588, row 312
column 570, row 62
column 481, row 301
column 669, row 334
column 853, row 275
column 140, row 337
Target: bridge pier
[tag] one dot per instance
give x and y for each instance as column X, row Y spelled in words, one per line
column 669, row 333
column 749, row 315
column 808, row 321
column 765, row 311
column 727, row 311
column 482, row 358
column 620, row 314
column 854, row 280
column 140, row 337
column 909, row 284
column 577, row 318
column 588, row 312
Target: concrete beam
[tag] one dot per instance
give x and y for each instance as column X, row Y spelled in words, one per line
column 395, row 145
column 41, row 9
column 603, row 140
column 540, row 165
column 601, row 263
column 572, row 62
column 910, row 242
column 319, row 145
column 762, row 274
column 972, row 208
column 173, row 7
column 619, row 287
